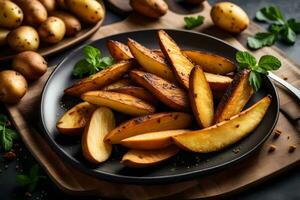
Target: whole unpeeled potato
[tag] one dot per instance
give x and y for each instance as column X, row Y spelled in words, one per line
column 52, row 30
column 50, row 5
column 73, row 25
column 150, row 8
column 30, row 64
column 23, row 38
column 11, row 16
column 229, row 17
column 3, row 35
column 13, row 86
column 88, row 11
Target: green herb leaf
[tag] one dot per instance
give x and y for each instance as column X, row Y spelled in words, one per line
column 192, row 22
column 294, row 25
column 23, row 180
column 245, row 60
column 260, row 40
column 30, row 180
column 269, row 63
column 3, row 119
column 288, row 35
column 271, row 13
column 255, row 80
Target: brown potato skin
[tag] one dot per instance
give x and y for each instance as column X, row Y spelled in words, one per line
column 52, row 30
column 13, row 86
column 11, row 16
column 34, row 12
column 235, row 97
column 50, row 5
column 3, row 36
column 31, row 64
column 168, row 93
column 150, row 8
column 118, row 50
column 100, row 79
column 119, row 84
column 72, row 24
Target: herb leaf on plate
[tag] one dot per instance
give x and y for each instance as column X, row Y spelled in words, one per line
column 192, row 22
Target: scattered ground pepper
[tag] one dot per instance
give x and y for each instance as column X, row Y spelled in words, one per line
column 285, row 78
column 272, row 148
column 236, row 150
column 292, row 148
column 28, row 194
column 277, row 133
column 9, row 155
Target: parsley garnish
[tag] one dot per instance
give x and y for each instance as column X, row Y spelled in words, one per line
column 92, row 62
column 285, row 30
column 7, row 136
column 31, row 180
column 266, row 63
column 192, row 22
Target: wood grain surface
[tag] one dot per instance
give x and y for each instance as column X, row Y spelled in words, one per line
column 260, row 166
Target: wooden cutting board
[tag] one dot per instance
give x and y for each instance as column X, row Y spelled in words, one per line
column 260, row 166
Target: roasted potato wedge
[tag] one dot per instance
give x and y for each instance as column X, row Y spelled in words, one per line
column 75, row 119
column 211, row 63
column 118, row 84
column 150, row 61
column 235, row 97
column 150, row 123
column 120, row 102
column 153, row 140
column 182, row 66
column 146, row 158
column 100, row 79
column 218, row 82
column 225, row 133
column 94, row 148
column 168, row 93
column 201, row 98
column 118, row 50
column 137, row 92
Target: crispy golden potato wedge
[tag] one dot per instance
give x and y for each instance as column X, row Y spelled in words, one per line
column 100, row 79
column 146, row 158
column 120, row 102
column 218, row 82
column 211, row 63
column 182, row 66
column 153, row 140
column 118, row 84
column 150, row 62
column 94, row 148
column 150, row 123
column 118, row 50
column 201, row 98
column 168, row 93
column 225, row 133
column 74, row 120
column 137, row 92
column 235, row 97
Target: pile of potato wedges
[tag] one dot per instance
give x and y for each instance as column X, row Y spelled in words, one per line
column 24, row 24
column 178, row 99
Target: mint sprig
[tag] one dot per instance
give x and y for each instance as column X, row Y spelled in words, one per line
column 92, row 62
column 7, row 135
column 30, row 180
column 265, row 64
column 279, row 29
column 192, row 22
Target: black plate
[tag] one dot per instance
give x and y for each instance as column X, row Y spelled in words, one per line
column 184, row 165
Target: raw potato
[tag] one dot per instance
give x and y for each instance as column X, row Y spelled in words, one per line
column 230, row 17
column 72, row 24
column 75, row 119
column 34, row 12
column 153, row 140
column 52, row 30
column 146, row 158
column 118, row 50
column 150, row 61
column 23, row 38
column 137, row 92
column 50, row 5
column 94, row 148
column 235, row 98
column 3, row 36
column 225, row 133
column 168, row 93
column 89, row 11
column 201, row 98
column 100, row 79
column 150, row 123
column 30, row 64
column 13, row 86
column 150, row 8
column 182, row 66
column 11, row 16
column 120, row 102
column 119, row 84
column 211, row 63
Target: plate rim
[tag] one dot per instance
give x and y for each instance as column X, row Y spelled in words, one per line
column 147, row 180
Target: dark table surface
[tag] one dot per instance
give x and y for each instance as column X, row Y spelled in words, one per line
column 285, row 186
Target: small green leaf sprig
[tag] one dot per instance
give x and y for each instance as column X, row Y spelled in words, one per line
column 32, row 179
column 7, row 135
column 192, row 22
